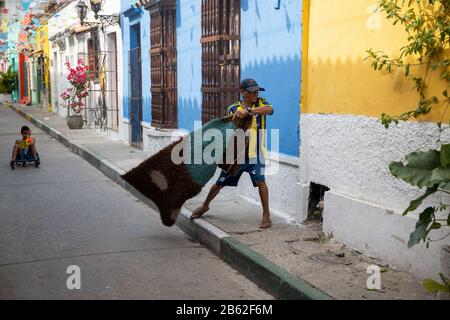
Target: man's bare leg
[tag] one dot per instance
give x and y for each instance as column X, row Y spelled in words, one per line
column 199, row 211
column 264, row 195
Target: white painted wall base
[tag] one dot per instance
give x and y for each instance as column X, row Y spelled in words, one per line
column 302, row 201
column 124, row 129
column 284, row 188
column 350, row 155
column 384, row 234
column 154, row 140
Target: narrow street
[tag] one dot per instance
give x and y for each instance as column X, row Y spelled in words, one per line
column 343, row 191
column 66, row 213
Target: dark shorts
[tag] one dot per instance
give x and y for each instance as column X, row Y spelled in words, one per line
column 256, row 172
column 25, row 155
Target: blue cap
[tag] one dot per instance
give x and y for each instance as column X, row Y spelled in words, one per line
column 250, row 85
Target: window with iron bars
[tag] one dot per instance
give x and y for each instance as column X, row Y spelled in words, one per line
column 163, row 63
column 220, row 56
column 93, row 61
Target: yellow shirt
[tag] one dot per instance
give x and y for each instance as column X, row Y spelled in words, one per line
column 257, row 130
column 25, row 143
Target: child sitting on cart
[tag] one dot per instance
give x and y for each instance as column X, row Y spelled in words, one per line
column 25, row 150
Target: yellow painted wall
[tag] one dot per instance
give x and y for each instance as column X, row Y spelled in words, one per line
column 46, row 50
column 335, row 77
column 42, row 44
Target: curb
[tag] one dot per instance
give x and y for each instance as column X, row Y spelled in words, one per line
column 269, row 276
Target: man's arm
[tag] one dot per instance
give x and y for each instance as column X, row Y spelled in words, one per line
column 263, row 110
column 256, row 111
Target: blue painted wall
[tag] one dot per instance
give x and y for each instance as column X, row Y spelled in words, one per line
column 131, row 16
column 189, row 57
column 14, row 58
column 271, row 53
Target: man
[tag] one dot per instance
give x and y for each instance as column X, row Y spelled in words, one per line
column 257, row 107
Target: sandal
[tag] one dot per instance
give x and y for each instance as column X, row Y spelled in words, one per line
column 265, row 224
column 197, row 213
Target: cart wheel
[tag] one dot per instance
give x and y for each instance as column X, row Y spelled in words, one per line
column 24, row 164
column 37, row 163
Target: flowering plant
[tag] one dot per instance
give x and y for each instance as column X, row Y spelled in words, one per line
column 78, row 79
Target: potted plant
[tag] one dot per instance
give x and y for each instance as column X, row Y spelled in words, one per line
column 74, row 95
column 8, row 83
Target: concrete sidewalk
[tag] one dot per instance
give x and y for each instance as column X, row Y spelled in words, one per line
column 290, row 261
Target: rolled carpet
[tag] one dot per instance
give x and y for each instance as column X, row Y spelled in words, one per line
column 169, row 184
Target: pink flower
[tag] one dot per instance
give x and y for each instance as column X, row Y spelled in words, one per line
column 79, row 81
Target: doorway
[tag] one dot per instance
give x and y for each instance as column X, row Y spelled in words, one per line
column 135, row 70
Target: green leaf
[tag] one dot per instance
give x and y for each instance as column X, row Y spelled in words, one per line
column 416, row 203
column 439, row 175
column 421, row 232
column 435, row 225
column 415, row 176
column 444, row 186
column 419, row 168
column 434, row 286
column 424, row 159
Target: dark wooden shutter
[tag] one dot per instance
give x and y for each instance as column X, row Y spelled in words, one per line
column 93, row 46
column 163, row 62
column 220, row 56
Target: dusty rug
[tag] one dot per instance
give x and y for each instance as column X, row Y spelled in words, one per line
column 169, row 184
